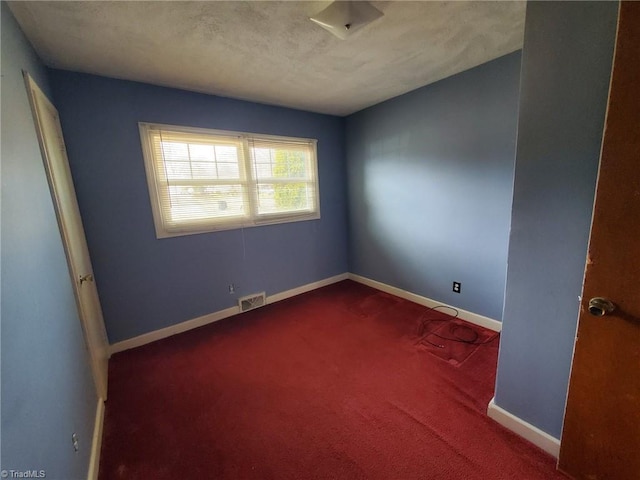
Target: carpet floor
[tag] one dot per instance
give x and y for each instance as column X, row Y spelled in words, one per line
column 344, row 382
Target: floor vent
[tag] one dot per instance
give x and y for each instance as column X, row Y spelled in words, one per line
column 252, row 301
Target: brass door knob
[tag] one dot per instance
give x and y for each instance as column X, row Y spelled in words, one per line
column 599, row 306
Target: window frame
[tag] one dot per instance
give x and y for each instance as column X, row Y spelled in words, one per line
column 165, row 228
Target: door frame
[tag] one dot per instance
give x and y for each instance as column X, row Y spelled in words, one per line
column 597, row 435
column 38, row 101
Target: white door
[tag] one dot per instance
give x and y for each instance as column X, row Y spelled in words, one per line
column 63, row 193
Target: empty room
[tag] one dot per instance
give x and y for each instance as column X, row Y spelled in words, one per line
column 320, row 240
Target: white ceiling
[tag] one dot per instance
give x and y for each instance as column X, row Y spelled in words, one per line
column 270, row 52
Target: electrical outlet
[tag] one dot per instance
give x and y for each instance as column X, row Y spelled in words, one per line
column 457, row 286
column 74, row 442
column 232, row 289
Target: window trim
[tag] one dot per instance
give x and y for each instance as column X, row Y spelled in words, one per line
column 253, row 219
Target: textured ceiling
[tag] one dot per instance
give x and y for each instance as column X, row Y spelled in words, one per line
column 270, row 52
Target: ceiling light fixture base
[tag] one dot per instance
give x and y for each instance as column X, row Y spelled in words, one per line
column 344, row 18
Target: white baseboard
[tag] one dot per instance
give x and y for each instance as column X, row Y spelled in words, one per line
column 470, row 317
column 231, row 311
column 96, row 442
column 172, row 330
column 215, row 316
column 306, row 288
column 541, row 439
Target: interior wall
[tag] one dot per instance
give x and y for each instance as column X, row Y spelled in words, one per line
column 430, row 181
column 145, row 283
column 566, row 67
column 47, row 388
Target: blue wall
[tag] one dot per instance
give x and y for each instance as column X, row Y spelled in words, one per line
column 430, row 183
column 430, row 177
column 145, row 283
column 566, row 67
column 47, row 388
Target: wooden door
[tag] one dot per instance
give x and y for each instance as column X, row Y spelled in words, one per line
column 63, row 193
column 601, row 434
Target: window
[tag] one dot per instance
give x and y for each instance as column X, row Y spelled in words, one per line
column 206, row 180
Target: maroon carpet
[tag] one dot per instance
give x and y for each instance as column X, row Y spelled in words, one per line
column 341, row 383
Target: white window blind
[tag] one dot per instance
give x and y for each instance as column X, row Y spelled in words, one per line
column 205, row 180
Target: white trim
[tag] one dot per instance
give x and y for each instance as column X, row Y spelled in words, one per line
column 306, row 288
column 470, row 317
column 215, row 316
column 51, row 139
column 146, row 338
column 173, row 330
column 96, row 443
column 541, row 439
column 159, row 187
